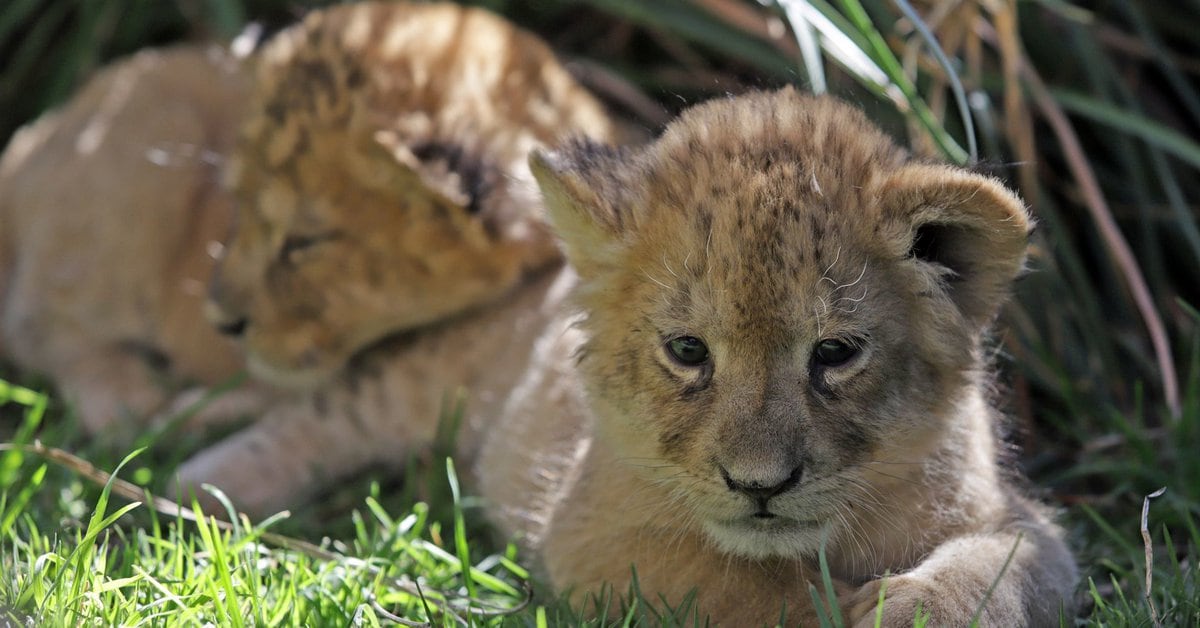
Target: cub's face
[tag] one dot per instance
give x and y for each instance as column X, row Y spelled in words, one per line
column 782, row 312
column 345, row 245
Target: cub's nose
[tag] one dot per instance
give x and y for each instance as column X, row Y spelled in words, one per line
column 224, row 321
column 225, row 308
column 763, row 488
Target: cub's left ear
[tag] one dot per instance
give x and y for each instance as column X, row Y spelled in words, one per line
column 590, row 200
column 966, row 229
column 437, row 176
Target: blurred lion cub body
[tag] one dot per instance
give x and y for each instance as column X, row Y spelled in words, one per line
column 108, row 207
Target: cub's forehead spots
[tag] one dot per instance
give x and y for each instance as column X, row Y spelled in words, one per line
column 766, row 251
column 777, row 196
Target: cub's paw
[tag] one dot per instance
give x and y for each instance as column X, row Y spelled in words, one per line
column 904, row 597
column 199, row 409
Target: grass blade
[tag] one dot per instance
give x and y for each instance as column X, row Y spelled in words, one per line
column 460, row 530
column 1166, row 139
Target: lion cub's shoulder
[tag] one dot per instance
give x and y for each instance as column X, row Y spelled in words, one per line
column 107, row 206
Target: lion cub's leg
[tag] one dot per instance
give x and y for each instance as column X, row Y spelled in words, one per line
column 270, row 465
column 375, row 414
column 201, row 408
column 112, row 390
column 947, row 584
column 387, row 404
column 117, row 392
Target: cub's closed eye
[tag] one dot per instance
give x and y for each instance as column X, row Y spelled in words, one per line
column 687, row 350
column 834, row 352
column 295, row 243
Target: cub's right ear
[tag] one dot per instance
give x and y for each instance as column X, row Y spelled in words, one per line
column 967, row 229
column 588, row 204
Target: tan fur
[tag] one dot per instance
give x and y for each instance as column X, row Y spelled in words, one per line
column 393, row 139
column 108, row 211
column 762, row 224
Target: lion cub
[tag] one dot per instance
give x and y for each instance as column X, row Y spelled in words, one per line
column 779, row 350
column 381, row 181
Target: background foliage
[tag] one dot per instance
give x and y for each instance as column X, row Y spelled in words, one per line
column 1090, row 108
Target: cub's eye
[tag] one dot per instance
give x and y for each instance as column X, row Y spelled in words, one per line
column 833, row 352
column 688, row 350
column 293, row 244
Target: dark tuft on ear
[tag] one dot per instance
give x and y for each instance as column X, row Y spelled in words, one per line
column 590, row 199
column 925, row 243
column 447, row 164
column 588, row 155
column 943, row 245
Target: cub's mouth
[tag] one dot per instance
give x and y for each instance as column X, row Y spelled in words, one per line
column 328, row 365
column 286, row 377
column 770, row 522
column 776, row 536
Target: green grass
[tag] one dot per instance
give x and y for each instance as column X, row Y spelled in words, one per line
column 76, row 547
column 1090, row 107
column 76, row 553
column 79, row 545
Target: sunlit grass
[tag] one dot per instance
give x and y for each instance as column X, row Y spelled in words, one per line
column 128, row 564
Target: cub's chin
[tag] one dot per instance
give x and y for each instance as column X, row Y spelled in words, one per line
column 757, row 536
column 286, row 377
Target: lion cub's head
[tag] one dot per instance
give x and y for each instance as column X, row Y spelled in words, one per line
column 779, row 304
column 382, row 179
